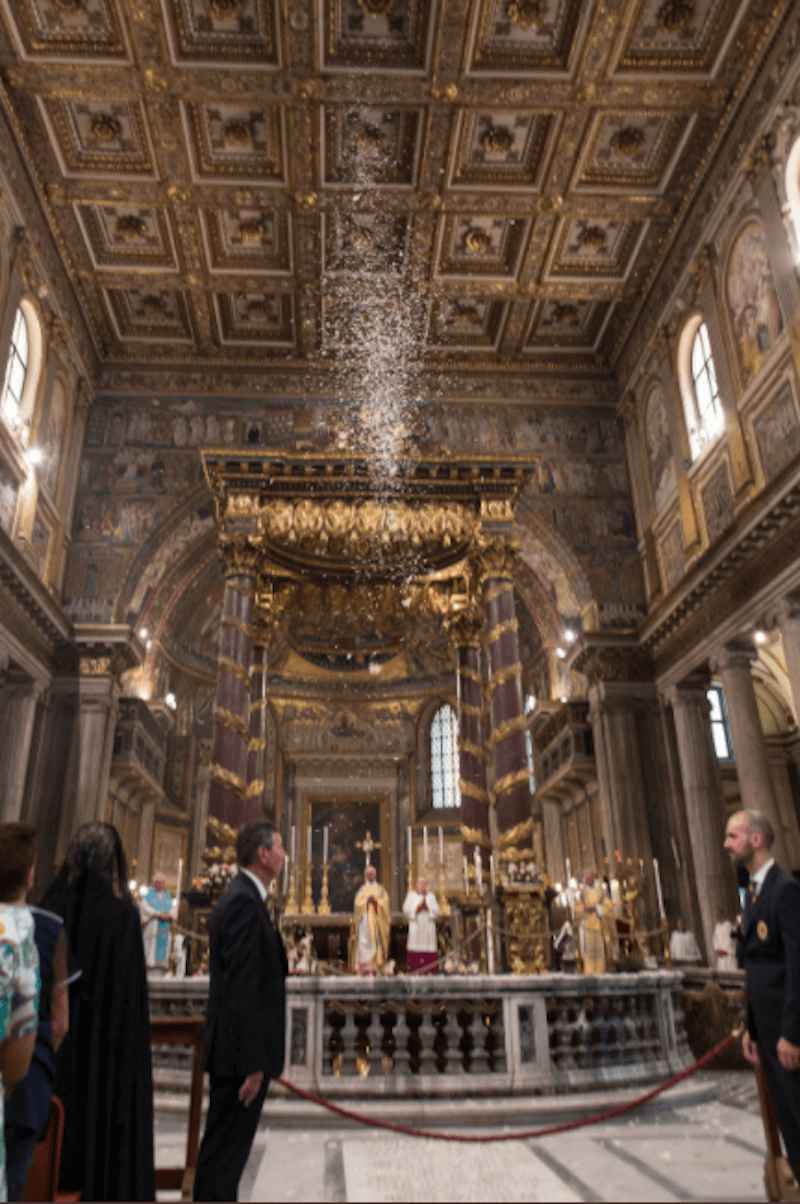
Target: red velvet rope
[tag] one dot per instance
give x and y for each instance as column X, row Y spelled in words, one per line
column 609, row 1114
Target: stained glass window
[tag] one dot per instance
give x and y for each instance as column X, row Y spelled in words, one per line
column 444, row 759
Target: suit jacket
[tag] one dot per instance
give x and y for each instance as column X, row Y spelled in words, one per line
column 246, row 1020
column 769, row 953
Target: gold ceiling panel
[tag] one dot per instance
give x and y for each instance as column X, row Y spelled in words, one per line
column 565, row 325
column 501, row 148
column 471, row 325
column 99, row 136
column 150, row 314
column 127, row 236
column 369, row 144
column 235, row 140
column 481, row 246
column 248, row 239
column 389, row 34
column 265, row 318
column 594, row 247
column 678, row 35
column 632, row 150
column 203, row 31
column 75, row 29
column 351, row 237
column 526, row 35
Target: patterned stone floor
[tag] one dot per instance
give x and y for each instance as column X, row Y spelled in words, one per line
column 707, row 1148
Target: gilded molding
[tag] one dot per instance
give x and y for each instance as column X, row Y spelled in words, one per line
column 95, row 666
column 254, row 788
column 475, row 750
column 228, row 780
column 466, row 628
column 258, row 704
column 500, row 630
column 234, row 723
column 513, row 835
column 497, row 558
column 475, row 836
column 256, row 744
column 464, row 708
column 468, row 674
column 509, row 727
column 497, row 590
column 235, row 624
column 234, row 669
column 245, row 591
column 502, row 676
column 519, row 777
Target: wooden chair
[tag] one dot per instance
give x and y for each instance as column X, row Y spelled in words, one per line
column 183, row 1030
column 42, row 1182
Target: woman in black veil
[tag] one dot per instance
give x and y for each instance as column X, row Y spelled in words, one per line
column 103, row 1073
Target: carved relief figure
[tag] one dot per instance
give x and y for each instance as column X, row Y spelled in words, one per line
column 777, row 432
column 660, row 461
column 755, row 312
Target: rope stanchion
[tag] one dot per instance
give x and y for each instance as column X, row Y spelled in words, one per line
column 598, row 1118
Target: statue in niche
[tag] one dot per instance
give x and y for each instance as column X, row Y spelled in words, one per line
column 755, row 311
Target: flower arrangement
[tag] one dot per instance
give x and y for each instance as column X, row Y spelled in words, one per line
column 217, row 877
column 522, row 872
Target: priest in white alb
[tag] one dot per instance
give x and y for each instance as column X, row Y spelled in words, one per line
column 158, row 910
column 421, row 909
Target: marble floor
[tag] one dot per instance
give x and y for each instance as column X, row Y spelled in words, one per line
column 703, row 1145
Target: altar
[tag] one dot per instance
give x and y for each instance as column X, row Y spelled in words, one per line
column 334, row 937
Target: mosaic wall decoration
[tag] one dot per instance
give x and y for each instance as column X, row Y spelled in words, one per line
column 777, row 432
column 8, row 496
column 717, row 503
column 672, row 556
column 755, row 313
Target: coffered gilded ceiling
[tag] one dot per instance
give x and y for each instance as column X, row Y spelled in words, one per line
column 212, row 170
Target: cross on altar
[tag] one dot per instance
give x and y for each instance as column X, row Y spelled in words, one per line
column 367, row 845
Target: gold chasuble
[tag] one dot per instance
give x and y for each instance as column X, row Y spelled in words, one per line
column 373, row 924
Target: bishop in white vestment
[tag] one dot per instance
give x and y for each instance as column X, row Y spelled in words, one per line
column 421, row 909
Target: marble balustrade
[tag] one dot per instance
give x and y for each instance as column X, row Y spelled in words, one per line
column 468, row 1035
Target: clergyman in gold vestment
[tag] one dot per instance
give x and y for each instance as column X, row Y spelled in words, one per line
column 592, row 911
column 373, row 924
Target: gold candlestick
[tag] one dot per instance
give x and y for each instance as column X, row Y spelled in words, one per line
column 290, row 908
column 308, row 908
column 444, row 906
column 324, row 908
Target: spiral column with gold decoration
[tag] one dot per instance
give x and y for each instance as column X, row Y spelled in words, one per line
column 511, row 790
column 228, row 795
column 466, row 630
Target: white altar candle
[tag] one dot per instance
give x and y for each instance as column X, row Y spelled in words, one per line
column 410, row 849
column 325, row 844
column 292, row 845
column 285, row 876
column 425, row 846
column 308, row 846
column 662, row 913
column 466, row 875
column 489, row 941
column 569, row 870
column 675, row 853
column 441, row 848
column 478, row 872
column 491, row 872
column 180, row 879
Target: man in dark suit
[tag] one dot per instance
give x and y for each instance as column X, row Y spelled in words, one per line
column 769, row 952
column 243, row 1045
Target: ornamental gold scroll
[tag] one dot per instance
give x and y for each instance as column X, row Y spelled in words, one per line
column 367, row 530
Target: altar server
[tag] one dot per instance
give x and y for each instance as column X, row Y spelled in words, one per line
column 421, row 909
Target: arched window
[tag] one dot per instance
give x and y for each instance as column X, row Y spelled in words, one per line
column 702, row 405
column 22, row 370
column 793, row 187
column 720, row 731
column 445, row 790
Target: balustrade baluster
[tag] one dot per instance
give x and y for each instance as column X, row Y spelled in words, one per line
column 374, row 1036
column 427, row 1037
column 479, row 1033
column 401, row 1033
column 499, row 1063
column 454, row 1059
column 349, row 1038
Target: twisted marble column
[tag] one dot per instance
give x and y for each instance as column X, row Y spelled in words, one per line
column 466, row 630
column 257, row 745
column 228, row 793
column 511, row 790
